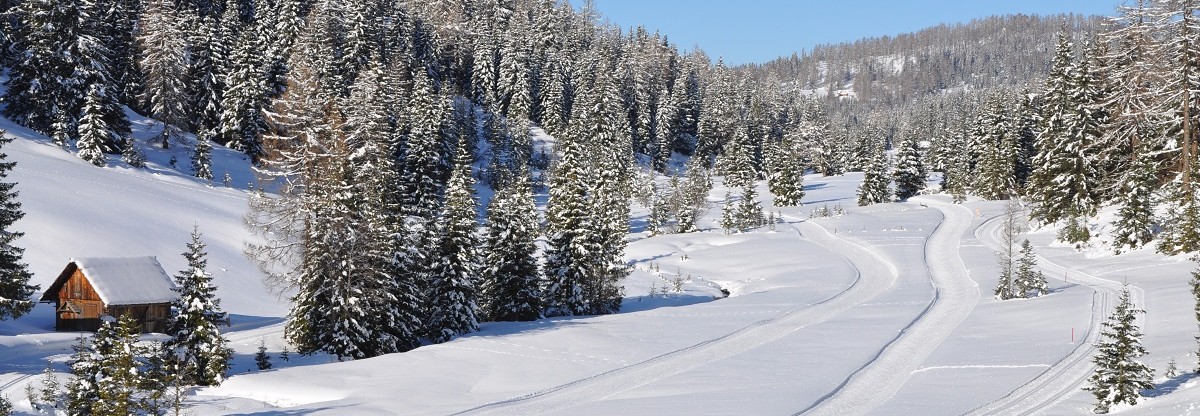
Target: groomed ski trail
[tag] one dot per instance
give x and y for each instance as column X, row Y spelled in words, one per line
column 1070, row 373
column 955, row 296
column 875, row 275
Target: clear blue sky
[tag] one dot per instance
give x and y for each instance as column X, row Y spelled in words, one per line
column 744, row 31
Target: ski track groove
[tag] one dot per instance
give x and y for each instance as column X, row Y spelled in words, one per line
column 874, row 276
column 1069, row 373
column 955, row 296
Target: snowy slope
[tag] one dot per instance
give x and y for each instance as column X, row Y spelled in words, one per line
column 884, row 310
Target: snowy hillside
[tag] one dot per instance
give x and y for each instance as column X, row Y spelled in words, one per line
column 884, row 310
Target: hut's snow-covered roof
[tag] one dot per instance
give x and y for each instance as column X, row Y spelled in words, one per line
column 123, row 280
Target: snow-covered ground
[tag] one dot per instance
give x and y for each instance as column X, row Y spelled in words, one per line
column 883, row 310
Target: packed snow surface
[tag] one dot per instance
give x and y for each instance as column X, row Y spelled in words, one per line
column 884, row 309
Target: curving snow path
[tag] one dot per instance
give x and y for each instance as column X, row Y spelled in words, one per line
column 955, row 297
column 1069, row 374
column 875, row 275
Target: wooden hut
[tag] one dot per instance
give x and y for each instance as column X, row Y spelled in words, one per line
column 91, row 287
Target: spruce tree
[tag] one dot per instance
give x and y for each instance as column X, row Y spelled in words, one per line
column 1119, row 376
column 163, row 64
column 93, row 131
column 86, row 371
column 787, row 180
column 1007, row 286
column 511, row 276
column 203, row 352
column 994, row 177
column 242, row 123
column 202, row 158
column 453, row 287
column 1028, row 281
column 568, row 223
column 120, row 366
column 1134, row 225
column 874, row 186
column 15, row 290
column 910, row 170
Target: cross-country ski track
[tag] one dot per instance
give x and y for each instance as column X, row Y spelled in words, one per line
column 1068, row 374
column 956, row 295
column 875, row 275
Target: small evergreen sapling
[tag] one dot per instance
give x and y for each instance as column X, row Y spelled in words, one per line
column 1119, row 376
column 261, row 359
column 1030, row 282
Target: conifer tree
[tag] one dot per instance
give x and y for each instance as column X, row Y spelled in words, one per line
column 1007, row 286
column 15, row 290
column 454, row 287
column 910, row 170
column 202, row 158
column 744, row 213
column 203, row 353
column 1028, row 281
column 241, row 123
column 163, row 64
column 692, row 199
column 567, row 225
column 995, row 167
column 1134, row 225
column 1119, row 376
column 874, row 186
column 83, row 388
column 787, row 180
column 118, row 385
column 511, row 277
column 93, row 131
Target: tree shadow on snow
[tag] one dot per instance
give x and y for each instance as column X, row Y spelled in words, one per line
column 1170, row 386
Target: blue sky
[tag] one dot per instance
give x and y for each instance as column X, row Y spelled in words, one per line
column 746, row 31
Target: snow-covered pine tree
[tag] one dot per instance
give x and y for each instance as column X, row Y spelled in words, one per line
column 1046, row 193
column 1025, row 133
column 453, row 287
column 202, row 157
column 748, row 212
column 86, row 371
column 15, row 290
column 568, row 223
column 1119, row 377
column 692, row 199
column 161, row 42
column 207, row 53
column 242, row 124
column 203, row 352
column 787, row 177
column 994, row 169
column 511, row 276
column 910, row 170
column 1134, row 225
column 1007, row 285
column 392, row 306
column 93, row 131
column 612, row 192
column 120, row 363
column 43, row 88
column 1028, row 280
column 874, row 186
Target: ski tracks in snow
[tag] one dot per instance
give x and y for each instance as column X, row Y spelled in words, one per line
column 1068, row 374
column 875, row 275
column 954, row 299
